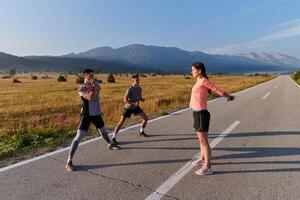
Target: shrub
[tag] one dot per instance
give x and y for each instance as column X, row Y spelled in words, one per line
column 61, row 78
column 162, row 113
column 45, row 76
column 79, row 79
column 12, row 72
column 296, row 75
column 111, row 78
column 33, row 77
column 16, row 81
column 5, row 77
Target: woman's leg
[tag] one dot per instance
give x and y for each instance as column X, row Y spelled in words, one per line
column 201, row 154
column 205, row 148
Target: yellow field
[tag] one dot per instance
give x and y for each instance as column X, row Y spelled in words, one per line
column 45, row 102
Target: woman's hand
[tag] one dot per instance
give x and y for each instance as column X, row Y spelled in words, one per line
column 231, row 98
column 228, row 97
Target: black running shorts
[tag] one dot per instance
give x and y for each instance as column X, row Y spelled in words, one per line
column 129, row 111
column 85, row 122
column 201, row 120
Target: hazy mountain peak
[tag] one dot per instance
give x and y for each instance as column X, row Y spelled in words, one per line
column 274, row 58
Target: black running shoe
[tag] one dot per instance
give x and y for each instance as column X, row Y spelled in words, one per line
column 113, row 147
column 143, row 134
column 114, row 141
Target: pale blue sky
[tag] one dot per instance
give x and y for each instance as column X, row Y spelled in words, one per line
column 56, row 27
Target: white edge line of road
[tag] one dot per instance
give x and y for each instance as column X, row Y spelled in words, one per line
column 125, row 129
column 177, row 176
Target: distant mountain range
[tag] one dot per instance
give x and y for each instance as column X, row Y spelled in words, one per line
column 61, row 64
column 142, row 58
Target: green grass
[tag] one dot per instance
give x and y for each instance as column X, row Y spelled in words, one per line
column 296, row 77
column 25, row 139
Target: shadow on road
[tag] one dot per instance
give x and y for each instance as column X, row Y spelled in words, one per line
column 151, row 162
column 149, row 140
column 238, row 153
column 259, row 134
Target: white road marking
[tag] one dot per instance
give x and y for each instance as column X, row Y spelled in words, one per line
column 175, row 178
column 264, row 97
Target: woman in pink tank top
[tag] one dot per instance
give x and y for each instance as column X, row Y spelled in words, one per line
column 201, row 115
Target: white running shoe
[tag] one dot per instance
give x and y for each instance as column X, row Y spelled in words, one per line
column 199, row 161
column 204, row 171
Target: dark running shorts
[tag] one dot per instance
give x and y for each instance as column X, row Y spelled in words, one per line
column 201, row 120
column 129, row 111
column 86, row 121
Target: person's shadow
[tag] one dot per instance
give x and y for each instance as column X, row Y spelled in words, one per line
column 152, row 139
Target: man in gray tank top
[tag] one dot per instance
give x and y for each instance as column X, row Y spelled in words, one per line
column 132, row 99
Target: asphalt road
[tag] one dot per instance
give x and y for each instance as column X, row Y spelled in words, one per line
column 256, row 155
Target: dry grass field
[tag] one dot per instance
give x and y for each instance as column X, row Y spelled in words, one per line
column 44, row 112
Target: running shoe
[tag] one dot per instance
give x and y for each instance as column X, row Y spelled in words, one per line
column 204, row 171
column 69, row 166
column 143, row 134
column 198, row 161
column 114, row 141
column 113, row 147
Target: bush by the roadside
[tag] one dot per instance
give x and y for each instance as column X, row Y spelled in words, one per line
column 162, row 113
column 16, row 81
column 296, row 75
column 143, row 75
column 79, row 79
column 61, row 78
column 111, row 78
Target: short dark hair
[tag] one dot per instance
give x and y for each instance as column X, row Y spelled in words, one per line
column 134, row 76
column 87, row 71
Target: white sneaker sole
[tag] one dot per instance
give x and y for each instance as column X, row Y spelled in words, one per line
column 209, row 172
